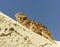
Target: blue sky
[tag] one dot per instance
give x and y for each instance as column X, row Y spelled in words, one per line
column 43, row 11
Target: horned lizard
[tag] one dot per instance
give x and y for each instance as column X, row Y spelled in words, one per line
column 35, row 26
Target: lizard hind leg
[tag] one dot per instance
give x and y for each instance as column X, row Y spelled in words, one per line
column 49, row 38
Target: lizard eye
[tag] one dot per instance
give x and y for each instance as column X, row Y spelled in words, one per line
column 24, row 18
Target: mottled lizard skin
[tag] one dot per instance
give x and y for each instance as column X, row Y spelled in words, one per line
column 34, row 26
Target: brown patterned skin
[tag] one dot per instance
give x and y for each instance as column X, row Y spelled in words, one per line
column 35, row 26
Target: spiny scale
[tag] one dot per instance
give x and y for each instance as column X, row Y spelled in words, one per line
column 35, row 26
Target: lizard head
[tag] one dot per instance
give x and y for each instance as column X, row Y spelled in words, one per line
column 20, row 17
